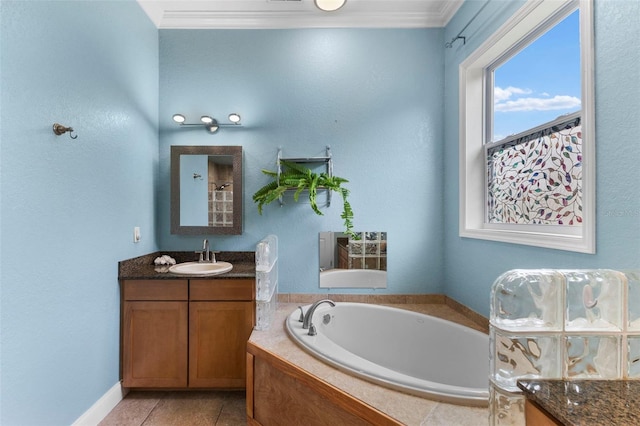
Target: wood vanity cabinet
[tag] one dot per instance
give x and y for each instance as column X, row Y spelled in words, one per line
column 221, row 317
column 535, row 416
column 186, row 333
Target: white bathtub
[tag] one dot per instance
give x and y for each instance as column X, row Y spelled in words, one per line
column 353, row 278
column 403, row 350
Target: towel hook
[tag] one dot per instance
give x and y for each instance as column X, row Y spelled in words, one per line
column 59, row 129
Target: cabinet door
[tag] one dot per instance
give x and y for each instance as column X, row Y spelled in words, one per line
column 218, row 334
column 155, row 344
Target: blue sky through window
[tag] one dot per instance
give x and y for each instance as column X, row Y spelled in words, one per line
column 541, row 82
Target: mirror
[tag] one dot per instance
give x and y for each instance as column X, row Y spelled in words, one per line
column 206, row 190
column 340, row 253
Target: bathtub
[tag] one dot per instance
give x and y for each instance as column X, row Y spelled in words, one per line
column 353, row 278
column 403, row 350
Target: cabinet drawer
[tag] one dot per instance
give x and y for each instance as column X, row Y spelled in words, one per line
column 222, row 289
column 156, row 290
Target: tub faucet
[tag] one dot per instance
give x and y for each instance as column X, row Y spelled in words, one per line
column 306, row 323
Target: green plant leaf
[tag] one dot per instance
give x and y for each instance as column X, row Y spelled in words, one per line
column 300, row 178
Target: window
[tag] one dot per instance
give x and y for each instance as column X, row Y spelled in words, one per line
column 537, row 80
column 536, row 186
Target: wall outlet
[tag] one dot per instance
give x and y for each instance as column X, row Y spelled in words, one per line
column 136, row 234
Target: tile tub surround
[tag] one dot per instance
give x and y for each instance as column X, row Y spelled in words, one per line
column 406, row 409
column 586, row 402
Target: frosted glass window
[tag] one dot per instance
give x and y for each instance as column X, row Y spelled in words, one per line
column 537, row 178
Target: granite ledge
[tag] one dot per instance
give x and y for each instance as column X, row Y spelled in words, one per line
column 586, row 402
column 142, row 267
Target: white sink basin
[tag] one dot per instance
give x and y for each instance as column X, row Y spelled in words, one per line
column 200, row 268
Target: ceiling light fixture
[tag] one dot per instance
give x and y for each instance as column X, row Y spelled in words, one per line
column 329, row 5
column 209, row 123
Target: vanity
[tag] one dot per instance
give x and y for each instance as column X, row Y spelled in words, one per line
column 185, row 332
column 190, row 330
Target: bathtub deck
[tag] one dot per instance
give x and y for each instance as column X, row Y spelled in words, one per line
column 407, row 409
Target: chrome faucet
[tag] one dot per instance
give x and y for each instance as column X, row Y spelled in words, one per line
column 306, row 322
column 206, row 255
column 206, row 251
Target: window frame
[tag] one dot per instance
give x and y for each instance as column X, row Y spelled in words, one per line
column 533, row 16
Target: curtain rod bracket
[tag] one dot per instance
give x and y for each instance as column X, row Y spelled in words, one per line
column 449, row 44
column 460, row 36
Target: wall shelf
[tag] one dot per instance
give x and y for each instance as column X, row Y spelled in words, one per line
column 326, row 160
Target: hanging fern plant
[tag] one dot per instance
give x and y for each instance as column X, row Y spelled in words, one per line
column 299, row 178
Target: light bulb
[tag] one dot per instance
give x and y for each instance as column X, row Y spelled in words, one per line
column 206, row 119
column 329, row 5
column 234, row 118
column 178, row 118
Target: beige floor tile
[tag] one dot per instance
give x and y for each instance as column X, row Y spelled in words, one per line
column 234, row 411
column 133, row 409
column 187, row 408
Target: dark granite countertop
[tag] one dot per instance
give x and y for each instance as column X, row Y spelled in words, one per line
column 587, row 402
column 142, row 267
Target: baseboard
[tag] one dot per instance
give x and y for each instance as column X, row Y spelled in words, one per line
column 102, row 407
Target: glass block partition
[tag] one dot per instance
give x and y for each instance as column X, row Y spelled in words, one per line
column 220, row 208
column 368, row 251
column 560, row 324
column 266, row 281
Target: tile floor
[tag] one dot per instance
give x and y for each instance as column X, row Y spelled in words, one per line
column 179, row 408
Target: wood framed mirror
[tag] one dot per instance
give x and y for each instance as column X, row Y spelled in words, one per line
column 206, row 190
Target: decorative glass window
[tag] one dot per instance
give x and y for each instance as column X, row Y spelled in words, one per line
column 536, row 187
column 536, row 178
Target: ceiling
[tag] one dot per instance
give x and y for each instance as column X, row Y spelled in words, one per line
column 227, row 14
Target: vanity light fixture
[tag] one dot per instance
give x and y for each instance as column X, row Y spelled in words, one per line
column 209, row 123
column 179, row 118
column 329, row 5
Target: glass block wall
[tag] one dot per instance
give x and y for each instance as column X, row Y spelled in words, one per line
column 266, row 281
column 368, row 251
column 221, row 208
column 560, row 324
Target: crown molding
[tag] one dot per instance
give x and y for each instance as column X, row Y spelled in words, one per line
column 261, row 14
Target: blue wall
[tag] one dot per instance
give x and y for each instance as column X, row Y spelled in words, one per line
column 374, row 96
column 385, row 100
column 471, row 265
column 68, row 207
